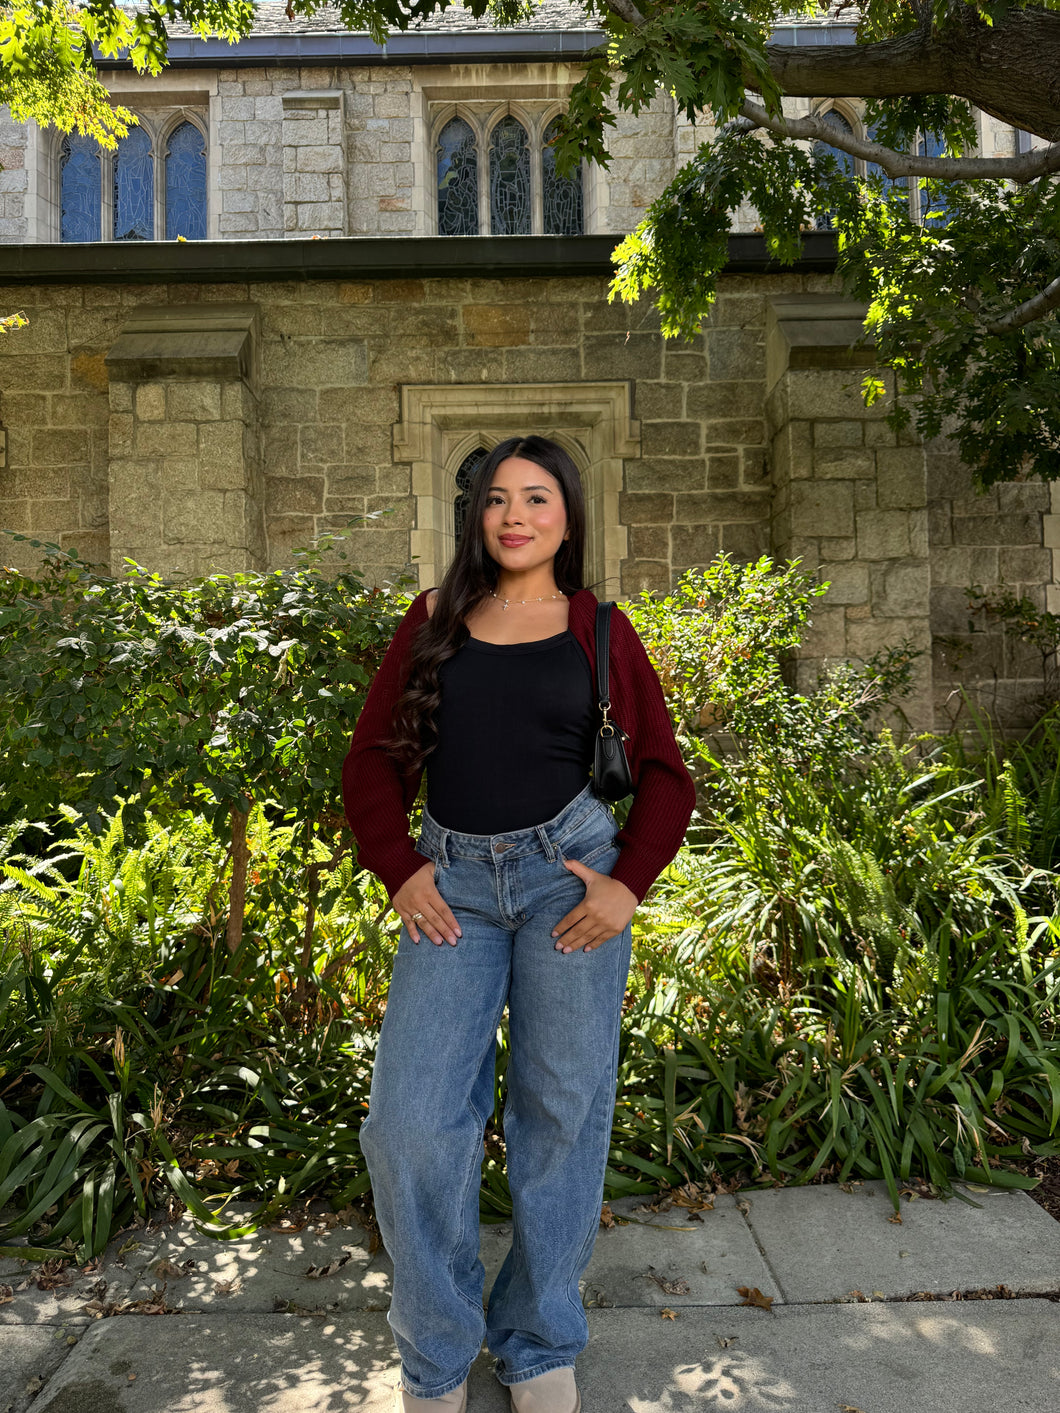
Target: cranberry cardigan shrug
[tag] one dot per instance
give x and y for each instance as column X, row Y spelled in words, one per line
column 378, row 795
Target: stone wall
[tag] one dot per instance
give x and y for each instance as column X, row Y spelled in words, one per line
column 221, row 426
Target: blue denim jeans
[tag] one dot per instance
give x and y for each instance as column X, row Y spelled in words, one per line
column 432, row 1091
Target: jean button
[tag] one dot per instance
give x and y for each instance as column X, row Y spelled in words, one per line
column 502, row 848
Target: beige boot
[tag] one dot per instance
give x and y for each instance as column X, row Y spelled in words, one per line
column 552, row 1392
column 453, row 1402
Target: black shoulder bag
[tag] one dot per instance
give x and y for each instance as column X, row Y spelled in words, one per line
column 611, row 777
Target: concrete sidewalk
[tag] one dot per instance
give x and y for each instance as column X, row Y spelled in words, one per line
column 174, row 1322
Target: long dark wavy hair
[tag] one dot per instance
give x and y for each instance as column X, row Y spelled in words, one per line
column 469, row 579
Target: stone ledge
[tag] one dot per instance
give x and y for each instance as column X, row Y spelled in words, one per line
column 186, row 341
column 815, row 331
column 359, row 258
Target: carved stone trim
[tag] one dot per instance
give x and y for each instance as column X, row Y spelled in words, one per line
column 440, row 425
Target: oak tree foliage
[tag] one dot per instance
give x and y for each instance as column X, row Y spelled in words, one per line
column 962, row 305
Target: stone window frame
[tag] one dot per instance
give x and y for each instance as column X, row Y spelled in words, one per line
column 482, row 116
column 158, row 124
column 441, row 425
column 856, row 118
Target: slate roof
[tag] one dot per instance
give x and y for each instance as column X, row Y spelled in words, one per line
column 550, row 15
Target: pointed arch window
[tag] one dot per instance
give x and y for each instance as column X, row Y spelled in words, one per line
column 932, row 208
column 134, row 188
column 80, row 188
column 464, row 476
column 563, row 198
column 496, row 174
column 842, row 125
column 186, row 183
column 509, row 178
column 457, row 179
column 125, row 194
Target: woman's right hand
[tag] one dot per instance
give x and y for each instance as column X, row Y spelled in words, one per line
column 423, row 909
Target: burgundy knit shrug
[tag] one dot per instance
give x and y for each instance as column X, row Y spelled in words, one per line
column 378, row 795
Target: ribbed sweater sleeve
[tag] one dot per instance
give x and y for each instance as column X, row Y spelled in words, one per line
column 376, row 795
column 664, row 793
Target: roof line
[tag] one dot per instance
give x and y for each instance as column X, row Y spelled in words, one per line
column 422, row 47
column 360, row 258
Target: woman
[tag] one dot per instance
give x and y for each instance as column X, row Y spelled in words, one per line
column 518, row 891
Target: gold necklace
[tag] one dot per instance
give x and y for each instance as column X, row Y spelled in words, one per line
column 506, row 602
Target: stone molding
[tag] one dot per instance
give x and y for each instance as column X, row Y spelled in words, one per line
column 441, row 425
column 188, row 341
column 815, row 331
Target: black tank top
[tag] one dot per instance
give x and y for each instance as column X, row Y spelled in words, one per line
column 515, row 734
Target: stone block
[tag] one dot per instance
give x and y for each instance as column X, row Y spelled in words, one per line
column 197, row 519
column 315, row 363
column 1030, row 566
column 940, row 524
column 671, row 438
column 825, row 636
column 723, row 472
column 1017, row 528
column 471, row 365
column 306, row 186
column 1023, row 495
column 715, row 506
column 44, row 372
column 318, row 444
column 294, row 495
column 746, row 541
column 874, row 635
column 901, row 474
column 543, row 365
column 495, row 325
column 735, row 355
column 666, row 474
column 53, row 517
column 165, row 438
column 900, row 590
column 883, row 534
column 838, row 434
column 950, row 611
column 76, row 410
column 151, row 402
column 711, row 400
column 359, row 405
column 559, row 324
column 848, row 582
column 961, row 565
column 843, row 462
column 645, row 509
column 649, row 541
column 614, row 356
column 59, row 446
column 865, row 495
column 792, row 452
column 193, row 401
column 830, row 393
column 835, row 547
column 733, row 432
column 431, row 325
column 693, row 545
column 822, row 507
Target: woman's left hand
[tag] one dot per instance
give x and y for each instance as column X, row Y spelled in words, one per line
column 603, row 913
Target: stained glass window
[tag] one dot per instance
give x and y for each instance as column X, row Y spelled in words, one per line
column 464, row 477
column 134, row 188
column 81, row 188
column 835, row 120
column 933, row 210
column 509, row 179
column 186, row 184
column 563, row 200
column 457, row 180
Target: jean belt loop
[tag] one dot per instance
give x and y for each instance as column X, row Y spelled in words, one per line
column 443, row 852
column 546, row 843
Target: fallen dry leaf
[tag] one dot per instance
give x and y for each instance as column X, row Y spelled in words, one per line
column 726, row 1340
column 7, row 1294
column 316, row 1273
column 607, row 1217
column 896, row 1218
column 674, row 1287
column 753, row 1296
column 35, row 1384
column 667, row 1314
column 53, row 1275
column 848, row 1408
column 859, row 1296
column 232, row 1287
column 291, row 1307
column 167, row 1270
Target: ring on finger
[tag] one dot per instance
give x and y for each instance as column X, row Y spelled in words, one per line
column 416, row 917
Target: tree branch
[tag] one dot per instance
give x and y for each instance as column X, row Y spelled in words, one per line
column 626, row 10
column 1044, row 302
column 1028, row 166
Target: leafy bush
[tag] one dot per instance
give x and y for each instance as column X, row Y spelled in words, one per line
column 210, row 694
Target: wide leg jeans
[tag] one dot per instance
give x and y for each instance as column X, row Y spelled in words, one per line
column 432, row 1092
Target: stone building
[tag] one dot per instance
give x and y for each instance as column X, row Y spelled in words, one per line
column 381, row 275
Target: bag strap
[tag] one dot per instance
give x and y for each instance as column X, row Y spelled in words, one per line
column 603, row 657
